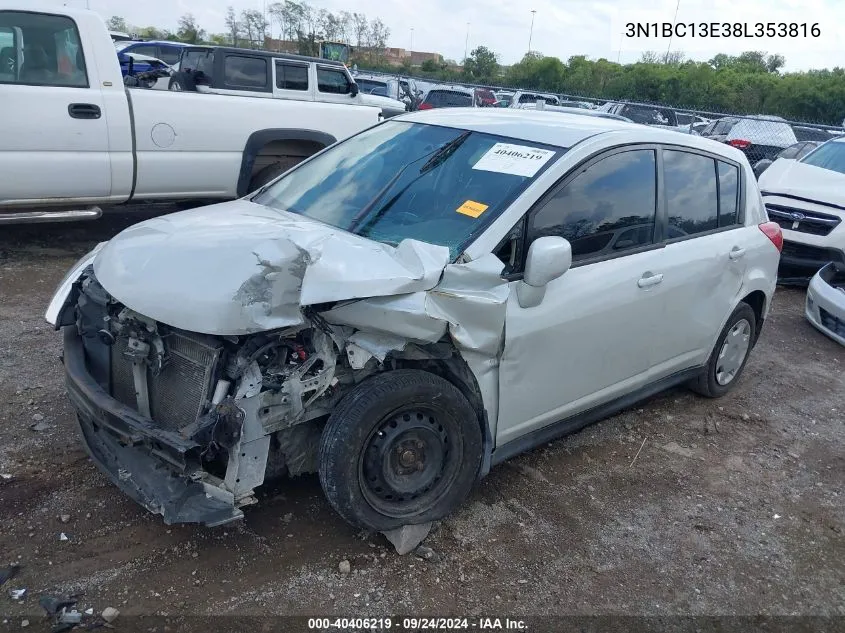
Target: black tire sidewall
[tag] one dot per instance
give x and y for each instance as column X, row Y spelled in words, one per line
column 351, row 423
column 743, row 311
column 184, row 80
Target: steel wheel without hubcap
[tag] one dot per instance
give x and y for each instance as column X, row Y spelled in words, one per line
column 733, row 352
column 410, row 461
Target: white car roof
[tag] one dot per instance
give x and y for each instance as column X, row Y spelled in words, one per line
column 562, row 129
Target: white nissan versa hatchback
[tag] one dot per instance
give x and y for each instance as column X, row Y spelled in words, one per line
column 411, row 306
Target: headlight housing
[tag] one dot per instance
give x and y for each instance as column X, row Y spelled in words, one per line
column 60, row 296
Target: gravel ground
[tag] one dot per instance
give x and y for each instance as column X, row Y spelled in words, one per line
column 679, row 506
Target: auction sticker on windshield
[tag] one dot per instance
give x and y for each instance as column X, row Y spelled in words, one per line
column 517, row 160
column 472, row 208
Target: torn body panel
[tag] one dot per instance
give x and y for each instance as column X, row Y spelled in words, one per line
column 171, row 269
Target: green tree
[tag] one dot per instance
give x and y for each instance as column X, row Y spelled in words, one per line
column 117, row 23
column 233, row 25
column 189, row 31
column 482, row 65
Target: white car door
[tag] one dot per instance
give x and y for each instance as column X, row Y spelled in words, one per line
column 291, row 80
column 54, row 136
column 334, row 84
column 589, row 339
column 705, row 260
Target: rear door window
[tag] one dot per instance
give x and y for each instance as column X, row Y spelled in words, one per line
column 691, row 191
column 728, row 193
column 148, row 50
column 332, row 81
column 245, row 73
column 449, row 99
column 290, row 76
column 723, row 126
column 607, row 209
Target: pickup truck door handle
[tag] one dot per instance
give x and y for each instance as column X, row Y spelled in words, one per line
column 84, row 111
column 649, row 279
column 736, row 252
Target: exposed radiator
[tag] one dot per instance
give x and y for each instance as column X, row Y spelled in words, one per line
column 180, row 391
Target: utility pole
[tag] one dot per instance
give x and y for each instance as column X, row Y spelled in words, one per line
column 531, row 32
column 466, row 44
column 412, row 43
column 674, row 21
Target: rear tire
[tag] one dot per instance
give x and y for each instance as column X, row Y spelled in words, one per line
column 402, row 448
column 729, row 355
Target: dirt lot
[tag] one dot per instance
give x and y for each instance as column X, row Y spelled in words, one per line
column 731, row 507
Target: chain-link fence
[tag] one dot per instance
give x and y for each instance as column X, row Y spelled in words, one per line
column 760, row 136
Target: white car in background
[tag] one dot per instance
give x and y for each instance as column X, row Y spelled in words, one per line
column 411, row 306
column 806, row 197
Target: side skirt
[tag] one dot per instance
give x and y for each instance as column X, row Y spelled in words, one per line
column 578, row 421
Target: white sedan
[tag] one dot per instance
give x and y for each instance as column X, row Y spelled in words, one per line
column 411, row 306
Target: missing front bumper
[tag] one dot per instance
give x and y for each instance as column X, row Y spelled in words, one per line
column 158, row 469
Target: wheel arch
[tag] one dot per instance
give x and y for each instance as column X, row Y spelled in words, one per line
column 757, row 301
column 304, row 141
column 440, row 359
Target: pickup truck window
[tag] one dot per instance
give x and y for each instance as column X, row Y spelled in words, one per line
column 291, row 76
column 334, row 81
column 52, row 52
column 245, row 72
column 8, row 55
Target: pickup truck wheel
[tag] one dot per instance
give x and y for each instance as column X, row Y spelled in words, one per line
column 401, row 448
column 728, row 358
column 271, row 172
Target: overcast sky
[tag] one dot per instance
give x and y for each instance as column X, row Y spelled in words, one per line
column 561, row 28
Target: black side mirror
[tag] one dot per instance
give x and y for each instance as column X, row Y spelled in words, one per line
column 353, row 90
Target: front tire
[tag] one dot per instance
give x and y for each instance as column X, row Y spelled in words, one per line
column 729, row 355
column 402, row 448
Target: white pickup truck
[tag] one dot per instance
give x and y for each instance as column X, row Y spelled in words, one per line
column 73, row 139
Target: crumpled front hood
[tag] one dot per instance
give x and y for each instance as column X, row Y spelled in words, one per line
column 239, row 267
column 803, row 180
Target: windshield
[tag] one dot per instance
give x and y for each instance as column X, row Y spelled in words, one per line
column 828, row 156
column 121, row 45
column 403, row 180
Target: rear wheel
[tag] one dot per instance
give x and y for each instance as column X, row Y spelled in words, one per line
column 728, row 358
column 402, row 448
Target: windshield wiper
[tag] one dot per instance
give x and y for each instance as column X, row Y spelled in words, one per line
column 444, row 152
column 437, row 158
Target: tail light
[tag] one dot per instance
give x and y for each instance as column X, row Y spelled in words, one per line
column 773, row 232
column 739, row 143
column 425, row 106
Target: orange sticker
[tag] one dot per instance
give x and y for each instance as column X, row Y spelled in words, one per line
column 472, row 209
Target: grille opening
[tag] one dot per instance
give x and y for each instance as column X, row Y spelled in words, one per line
column 802, row 220
column 179, row 393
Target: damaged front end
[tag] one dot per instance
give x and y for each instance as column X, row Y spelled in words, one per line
column 190, row 424
column 197, row 377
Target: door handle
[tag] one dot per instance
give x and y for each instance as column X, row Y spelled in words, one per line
column 736, row 252
column 84, row 111
column 649, row 279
